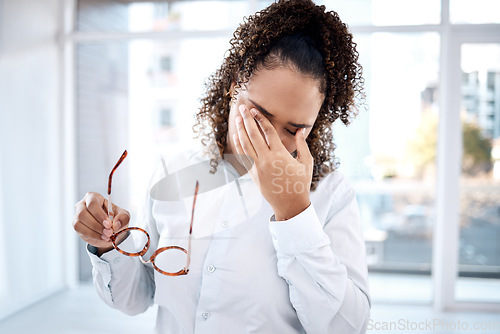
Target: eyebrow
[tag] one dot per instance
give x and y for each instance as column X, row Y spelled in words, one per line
column 267, row 113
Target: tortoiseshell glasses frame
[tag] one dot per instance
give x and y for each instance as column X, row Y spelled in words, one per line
column 151, row 260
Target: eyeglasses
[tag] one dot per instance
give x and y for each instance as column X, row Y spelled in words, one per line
column 144, row 235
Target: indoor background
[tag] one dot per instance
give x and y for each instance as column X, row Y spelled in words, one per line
column 80, row 81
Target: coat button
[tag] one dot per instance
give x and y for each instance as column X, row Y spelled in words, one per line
column 211, row 268
column 205, row 315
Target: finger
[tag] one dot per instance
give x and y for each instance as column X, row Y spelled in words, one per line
column 84, row 217
column 87, row 234
column 96, row 205
column 245, row 142
column 243, row 159
column 272, row 137
column 121, row 219
column 253, row 130
column 303, row 153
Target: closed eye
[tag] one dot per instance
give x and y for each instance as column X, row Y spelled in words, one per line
column 292, row 133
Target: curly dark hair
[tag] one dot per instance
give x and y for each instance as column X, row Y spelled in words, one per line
column 254, row 42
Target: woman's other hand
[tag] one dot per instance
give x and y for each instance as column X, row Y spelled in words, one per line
column 93, row 224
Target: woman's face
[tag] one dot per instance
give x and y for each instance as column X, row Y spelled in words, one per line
column 287, row 98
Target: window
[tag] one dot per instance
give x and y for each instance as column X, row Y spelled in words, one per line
column 479, row 238
column 140, row 72
column 475, row 12
column 386, row 12
column 391, row 161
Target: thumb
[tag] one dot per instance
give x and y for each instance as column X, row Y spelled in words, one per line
column 303, row 153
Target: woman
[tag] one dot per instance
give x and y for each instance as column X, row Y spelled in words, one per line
column 295, row 262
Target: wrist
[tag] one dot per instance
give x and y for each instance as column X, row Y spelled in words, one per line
column 102, row 250
column 292, row 211
column 121, row 237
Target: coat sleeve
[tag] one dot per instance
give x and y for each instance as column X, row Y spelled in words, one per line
column 124, row 282
column 324, row 264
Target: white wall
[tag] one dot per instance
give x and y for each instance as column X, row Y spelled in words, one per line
column 31, row 223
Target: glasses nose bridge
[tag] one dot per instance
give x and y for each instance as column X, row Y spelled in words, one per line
column 144, row 261
column 154, row 256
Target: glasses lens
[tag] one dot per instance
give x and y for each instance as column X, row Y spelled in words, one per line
column 134, row 243
column 171, row 259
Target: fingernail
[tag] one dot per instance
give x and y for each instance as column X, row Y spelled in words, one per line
column 118, row 225
column 105, row 238
column 253, row 111
column 106, row 223
column 303, row 131
column 242, row 108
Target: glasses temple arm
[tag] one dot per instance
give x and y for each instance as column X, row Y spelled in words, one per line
column 191, row 226
column 110, row 204
column 111, row 214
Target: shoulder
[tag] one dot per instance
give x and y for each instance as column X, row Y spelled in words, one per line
column 335, row 184
column 335, row 200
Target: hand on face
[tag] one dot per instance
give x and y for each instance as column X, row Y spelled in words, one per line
column 283, row 181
